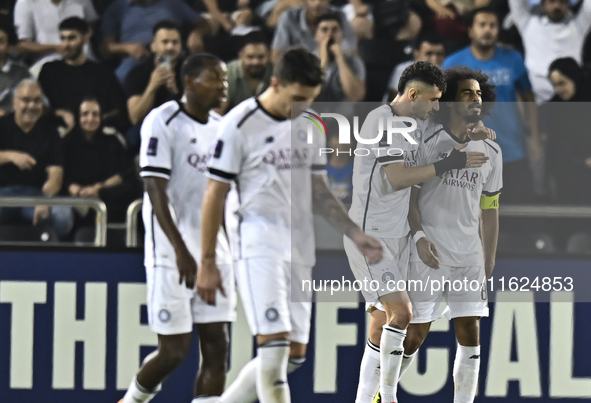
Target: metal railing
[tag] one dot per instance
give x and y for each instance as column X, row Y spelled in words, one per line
column 131, row 223
column 100, row 238
column 511, row 210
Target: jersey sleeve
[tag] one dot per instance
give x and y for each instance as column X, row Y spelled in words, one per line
column 319, row 159
column 155, row 148
column 494, row 182
column 226, row 161
column 385, row 152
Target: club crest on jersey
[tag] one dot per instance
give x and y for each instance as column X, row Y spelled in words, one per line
column 272, row 315
column 387, row 276
column 302, row 135
column 152, row 146
column 164, row 315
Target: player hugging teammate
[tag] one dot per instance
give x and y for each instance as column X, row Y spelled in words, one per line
column 451, row 189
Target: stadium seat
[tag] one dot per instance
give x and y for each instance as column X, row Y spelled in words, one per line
column 22, row 233
column 511, row 242
column 579, row 243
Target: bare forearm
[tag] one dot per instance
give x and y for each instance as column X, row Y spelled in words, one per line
column 531, row 113
column 353, row 87
column 329, row 207
column 414, row 215
column 52, row 186
column 490, row 235
column 405, row 177
column 211, row 217
column 113, row 181
column 156, row 188
column 139, row 108
column 5, row 157
column 34, row 47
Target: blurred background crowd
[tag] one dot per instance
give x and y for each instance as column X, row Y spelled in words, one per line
column 77, row 78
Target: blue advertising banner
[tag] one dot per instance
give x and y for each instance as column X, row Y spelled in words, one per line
column 73, row 328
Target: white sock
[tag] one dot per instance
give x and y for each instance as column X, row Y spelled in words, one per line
column 466, row 368
column 406, row 361
column 391, row 351
column 271, row 381
column 206, row 399
column 369, row 374
column 136, row 393
column 244, row 389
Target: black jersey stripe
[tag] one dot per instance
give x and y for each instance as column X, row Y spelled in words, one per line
column 491, row 146
column 368, row 194
column 174, row 115
column 390, row 158
column 249, row 114
column 433, row 135
column 491, row 194
column 221, row 174
column 159, row 170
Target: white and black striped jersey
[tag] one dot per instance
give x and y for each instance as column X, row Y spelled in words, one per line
column 376, row 207
column 450, row 203
column 270, row 163
column 175, row 146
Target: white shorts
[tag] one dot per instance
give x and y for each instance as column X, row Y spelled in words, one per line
column 372, row 306
column 265, row 286
column 463, row 288
column 173, row 308
column 387, row 276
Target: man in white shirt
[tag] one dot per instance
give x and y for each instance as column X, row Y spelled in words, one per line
column 278, row 173
column 177, row 139
column 37, row 23
column 554, row 34
column 445, row 222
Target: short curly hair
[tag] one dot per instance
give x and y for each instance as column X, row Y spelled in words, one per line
column 424, row 72
column 453, row 76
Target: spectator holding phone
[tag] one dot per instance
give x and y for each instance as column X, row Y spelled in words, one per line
column 155, row 81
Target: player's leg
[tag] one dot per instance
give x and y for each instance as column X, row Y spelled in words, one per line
column 263, row 288
column 369, row 373
column 466, row 307
column 172, row 350
column 212, row 325
column 467, row 361
column 169, row 315
column 214, row 342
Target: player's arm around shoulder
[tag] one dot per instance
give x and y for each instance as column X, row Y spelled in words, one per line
column 489, row 205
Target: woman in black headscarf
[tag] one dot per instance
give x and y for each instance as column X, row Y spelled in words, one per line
column 569, row 133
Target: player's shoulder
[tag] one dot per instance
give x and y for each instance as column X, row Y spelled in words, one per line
column 433, row 131
column 239, row 115
column 165, row 112
column 492, row 149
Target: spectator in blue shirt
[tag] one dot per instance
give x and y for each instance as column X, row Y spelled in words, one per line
column 507, row 71
column 340, row 169
column 124, row 34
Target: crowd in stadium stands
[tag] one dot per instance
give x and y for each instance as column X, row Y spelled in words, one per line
column 78, row 77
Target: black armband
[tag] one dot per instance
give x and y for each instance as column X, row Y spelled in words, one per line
column 455, row 160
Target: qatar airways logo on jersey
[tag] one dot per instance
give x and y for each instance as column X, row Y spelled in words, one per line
column 287, row 158
column 383, row 136
column 199, row 161
column 461, row 178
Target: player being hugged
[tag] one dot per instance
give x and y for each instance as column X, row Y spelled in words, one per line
column 444, row 220
column 177, row 139
column 276, row 176
column 381, row 192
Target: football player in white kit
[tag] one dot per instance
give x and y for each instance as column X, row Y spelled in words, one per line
column 278, row 178
column 381, row 193
column 177, row 140
column 444, row 220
